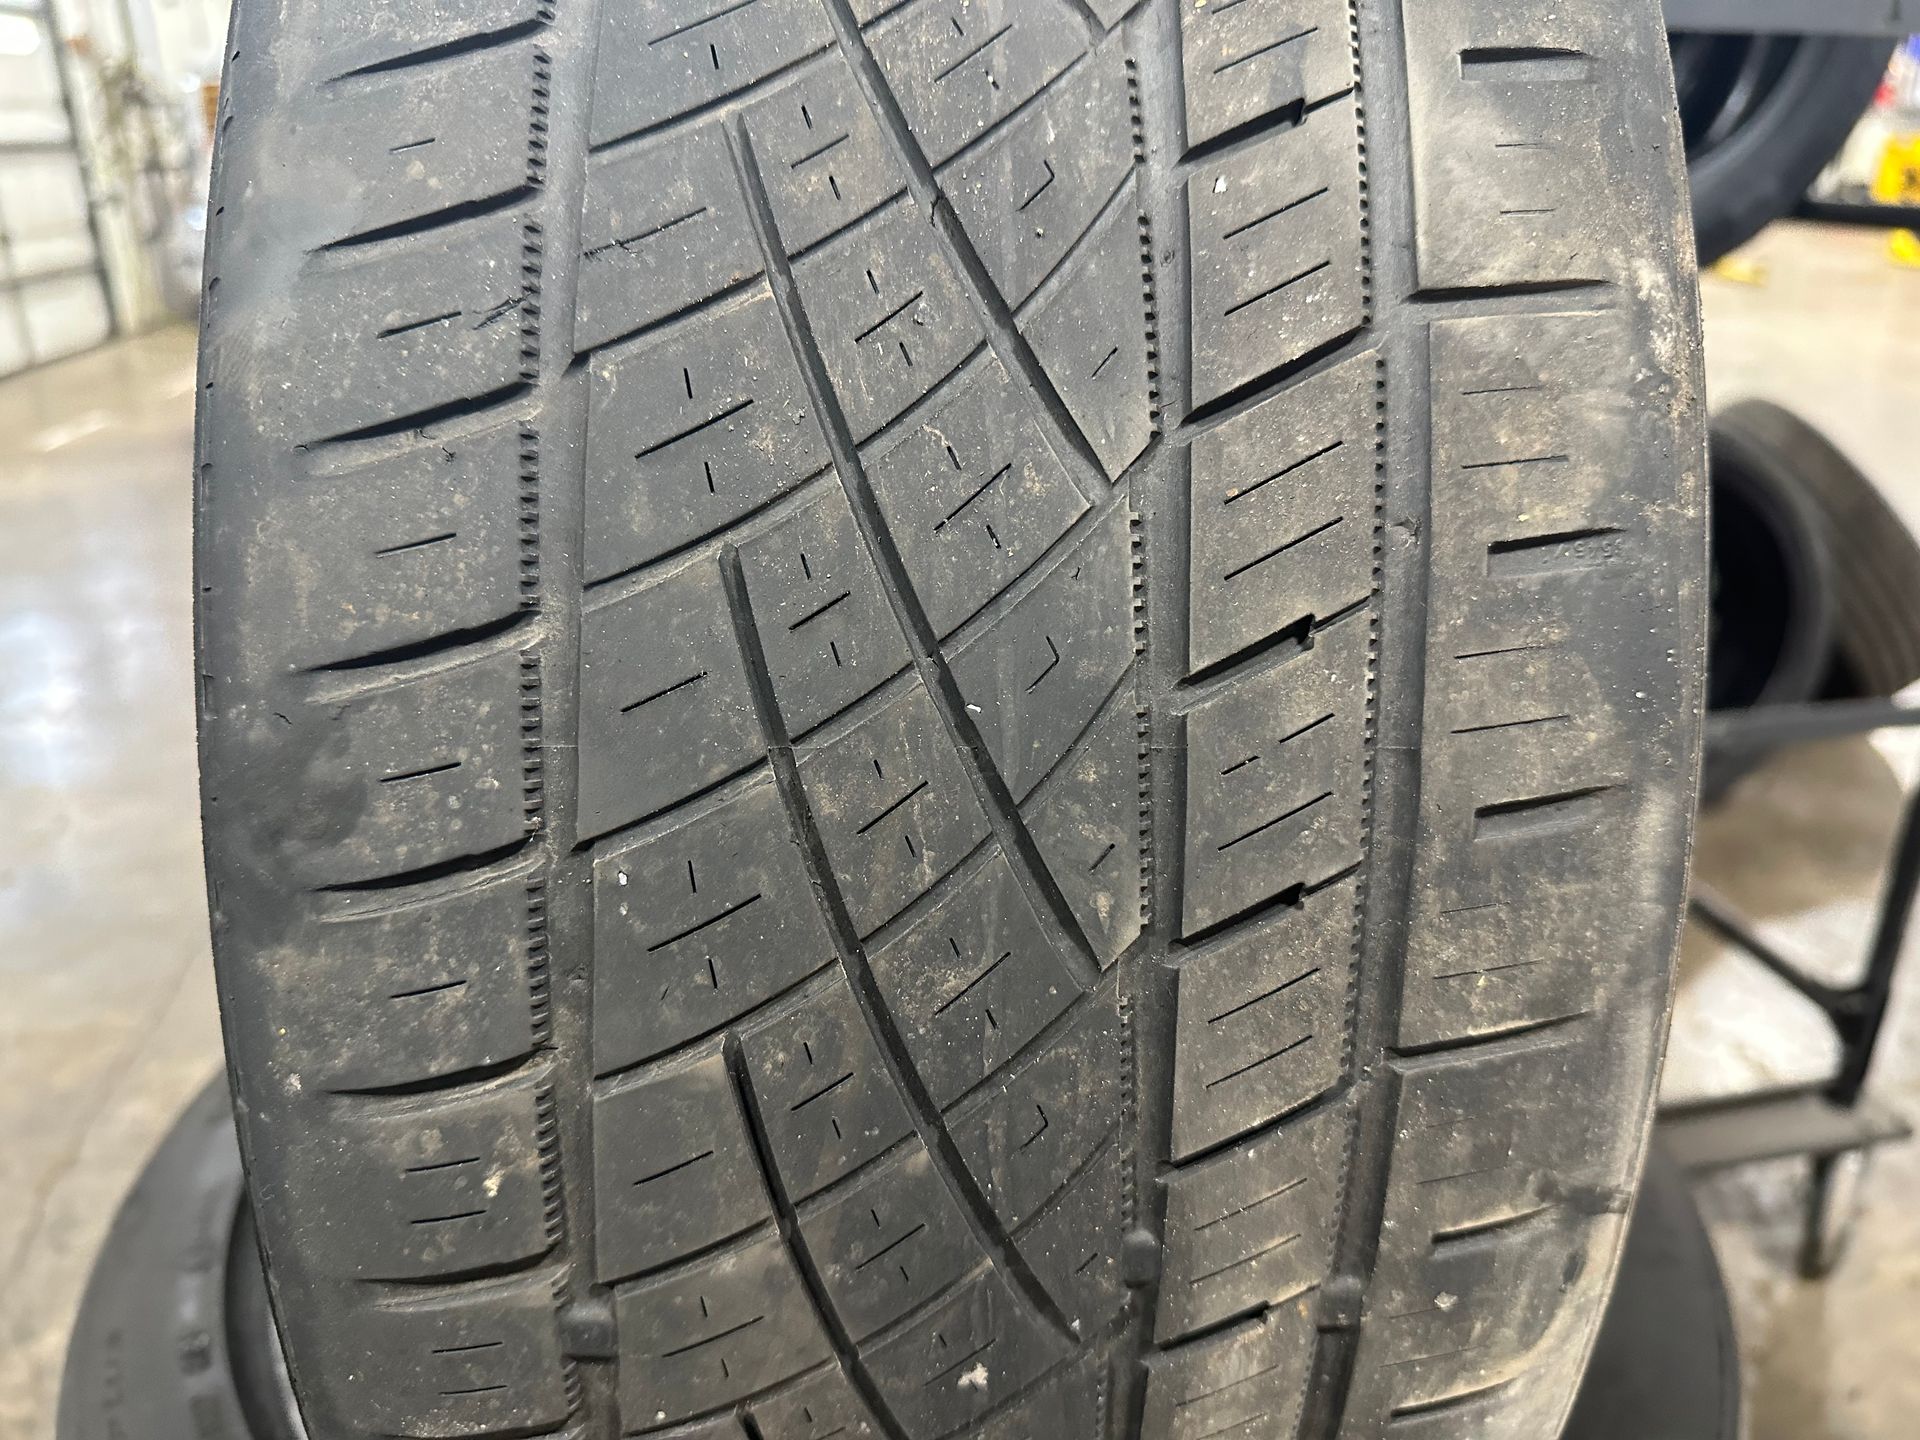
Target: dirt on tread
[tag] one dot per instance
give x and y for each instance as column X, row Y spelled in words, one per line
column 947, row 717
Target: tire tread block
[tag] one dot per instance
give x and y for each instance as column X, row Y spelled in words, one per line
column 1513, row 186
column 434, row 541
column 890, row 316
column 417, row 774
column 1085, row 822
column 825, row 1098
column 1036, row 677
column 692, row 428
column 675, row 1170
column 1261, row 1028
column 1027, row 196
column 1074, row 1245
column 661, row 58
column 972, row 980
column 826, row 629
column 459, row 1187
column 947, row 1365
column 665, row 709
column 1276, row 253
column 823, row 157
column 1274, row 778
column 1252, row 1228
column 1281, row 524
column 888, row 1241
column 895, row 809
column 1244, row 62
column 386, row 998
column 409, row 330
column 958, row 66
column 973, row 495
column 1089, row 332
column 1246, row 1381
column 714, row 1331
column 397, row 149
column 665, row 229
column 1040, row 1125
column 1496, row 1207
column 822, row 1406
column 484, row 1361
column 697, row 926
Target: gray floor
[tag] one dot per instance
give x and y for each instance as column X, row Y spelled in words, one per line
column 107, row 1025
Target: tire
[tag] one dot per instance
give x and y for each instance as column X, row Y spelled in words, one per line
column 782, row 854
column 1771, row 622
column 1762, row 115
column 1665, row 1362
column 1875, row 569
column 173, row 1340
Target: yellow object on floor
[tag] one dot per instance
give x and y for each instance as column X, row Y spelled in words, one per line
column 1903, row 248
column 1741, row 269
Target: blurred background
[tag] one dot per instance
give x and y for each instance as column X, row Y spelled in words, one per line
column 107, row 1014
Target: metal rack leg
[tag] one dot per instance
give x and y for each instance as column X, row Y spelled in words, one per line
column 1866, row 1010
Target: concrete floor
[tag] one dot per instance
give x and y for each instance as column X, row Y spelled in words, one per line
column 108, row 1024
column 107, row 1021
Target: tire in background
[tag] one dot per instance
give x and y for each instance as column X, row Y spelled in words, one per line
column 1762, row 116
column 173, row 1340
column 968, row 717
column 1874, row 557
column 1771, row 627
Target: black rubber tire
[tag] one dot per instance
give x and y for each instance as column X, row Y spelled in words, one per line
column 1875, row 559
column 958, row 721
column 1763, row 116
column 1665, row 1366
column 1667, row 1363
column 173, row 1340
column 1771, row 622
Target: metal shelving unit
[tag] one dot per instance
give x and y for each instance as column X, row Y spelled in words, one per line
column 1834, row 1124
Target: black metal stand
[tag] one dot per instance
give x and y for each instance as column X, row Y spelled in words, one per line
column 1833, row 1123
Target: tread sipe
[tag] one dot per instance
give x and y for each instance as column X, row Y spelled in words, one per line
column 947, row 717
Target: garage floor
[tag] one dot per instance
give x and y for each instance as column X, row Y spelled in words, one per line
column 108, row 1023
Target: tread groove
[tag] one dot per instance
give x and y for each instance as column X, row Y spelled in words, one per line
column 921, row 1110
column 788, row 1222
column 433, row 54
column 1072, row 946
column 1003, row 332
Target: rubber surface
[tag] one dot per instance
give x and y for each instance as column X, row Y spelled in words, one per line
column 173, row 1340
column 970, row 716
column 1665, row 1366
column 1763, row 116
column 1875, row 557
column 1771, row 624
column 1772, row 618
